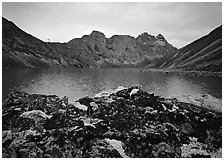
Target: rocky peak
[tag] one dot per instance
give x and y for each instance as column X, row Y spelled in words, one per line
column 98, row 37
column 97, row 34
column 145, row 34
column 160, row 37
column 146, row 37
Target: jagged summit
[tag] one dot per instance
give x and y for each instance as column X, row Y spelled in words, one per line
column 97, row 34
column 146, row 36
column 160, row 39
column 160, row 36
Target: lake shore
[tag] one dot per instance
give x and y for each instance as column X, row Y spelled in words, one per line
column 185, row 72
column 127, row 122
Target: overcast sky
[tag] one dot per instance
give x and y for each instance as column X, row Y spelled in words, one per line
column 180, row 23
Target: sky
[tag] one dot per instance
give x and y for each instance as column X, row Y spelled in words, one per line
column 180, row 23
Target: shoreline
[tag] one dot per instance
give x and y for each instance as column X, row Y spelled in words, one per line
column 128, row 122
column 185, row 72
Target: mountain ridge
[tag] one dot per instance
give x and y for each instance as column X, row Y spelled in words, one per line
column 204, row 54
column 21, row 49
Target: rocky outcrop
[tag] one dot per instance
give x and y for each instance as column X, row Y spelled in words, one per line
column 95, row 50
column 128, row 122
column 149, row 46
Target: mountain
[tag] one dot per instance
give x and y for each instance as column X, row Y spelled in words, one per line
column 20, row 49
column 204, row 54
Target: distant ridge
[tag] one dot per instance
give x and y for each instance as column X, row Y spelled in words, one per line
column 20, row 49
column 95, row 50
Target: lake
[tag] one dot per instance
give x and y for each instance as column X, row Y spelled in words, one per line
column 77, row 83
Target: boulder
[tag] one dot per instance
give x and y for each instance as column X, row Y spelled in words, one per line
column 36, row 115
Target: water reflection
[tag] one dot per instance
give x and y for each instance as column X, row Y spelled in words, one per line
column 179, row 86
column 77, row 83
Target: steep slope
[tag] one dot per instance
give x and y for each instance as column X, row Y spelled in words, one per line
column 150, row 46
column 20, row 49
column 204, row 54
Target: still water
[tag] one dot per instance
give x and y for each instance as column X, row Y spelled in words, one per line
column 76, row 83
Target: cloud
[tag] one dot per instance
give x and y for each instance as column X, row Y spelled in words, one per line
column 180, row 23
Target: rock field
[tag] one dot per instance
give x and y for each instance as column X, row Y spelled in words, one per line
column 128, row 122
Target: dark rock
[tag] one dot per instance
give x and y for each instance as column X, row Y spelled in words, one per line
column 186, row 128
column 200, row 156
column 163, row 150
column 86, row 101
column 123, row 93
column 99, row 148
column 147, row 125
column 17, row 123
column 60, row 120
column 63, row 102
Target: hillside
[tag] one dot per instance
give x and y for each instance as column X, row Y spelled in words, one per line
column 20, row 49
column 204, row 54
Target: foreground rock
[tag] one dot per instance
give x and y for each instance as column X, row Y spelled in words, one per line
column 125, row 123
